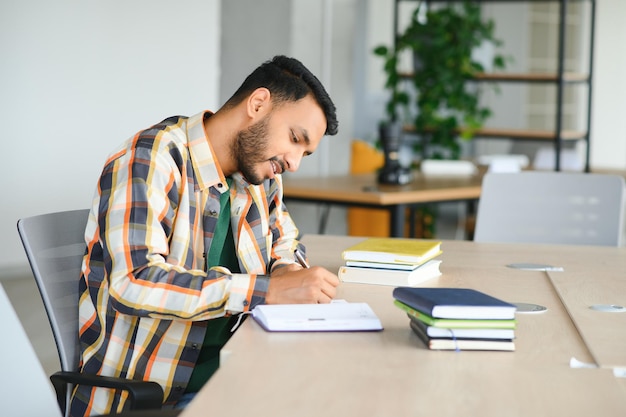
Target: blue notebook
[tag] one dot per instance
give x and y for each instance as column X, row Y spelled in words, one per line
column 455, row 303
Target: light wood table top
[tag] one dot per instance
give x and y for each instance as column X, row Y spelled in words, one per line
column 604, row 332
column 391, row 373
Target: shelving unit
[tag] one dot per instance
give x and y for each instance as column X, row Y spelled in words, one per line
column 560, row 78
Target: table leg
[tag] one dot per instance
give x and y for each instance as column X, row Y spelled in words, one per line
column 470, row 219
column 325, row 211
column 396, row 227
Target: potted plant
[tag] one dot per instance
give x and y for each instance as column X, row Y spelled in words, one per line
column 440, row 104
column 443, row 105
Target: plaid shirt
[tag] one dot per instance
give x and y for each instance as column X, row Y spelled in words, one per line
column 145, row 293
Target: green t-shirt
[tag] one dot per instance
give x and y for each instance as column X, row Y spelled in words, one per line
column 218, row 332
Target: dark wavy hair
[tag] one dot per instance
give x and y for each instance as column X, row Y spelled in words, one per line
column 287, row 79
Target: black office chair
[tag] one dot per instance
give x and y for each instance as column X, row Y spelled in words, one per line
column 55, row 246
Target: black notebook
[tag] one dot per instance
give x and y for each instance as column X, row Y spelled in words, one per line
column 461, row 344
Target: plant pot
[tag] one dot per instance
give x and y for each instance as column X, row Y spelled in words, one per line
column 392, row 172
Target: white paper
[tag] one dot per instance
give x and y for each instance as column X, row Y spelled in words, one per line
column 577, row 364
column 338, row 316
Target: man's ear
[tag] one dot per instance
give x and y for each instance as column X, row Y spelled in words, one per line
column 259, row 103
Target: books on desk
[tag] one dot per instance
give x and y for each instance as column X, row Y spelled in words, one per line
column 444, row 320
column 454, row 342
column 455, row 303
column 393, row 251
column 391, row 261
column 456, row 323
column 383, row 275
column 463, row 333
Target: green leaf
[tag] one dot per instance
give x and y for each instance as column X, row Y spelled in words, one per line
column 381, row 50
column 440, row 101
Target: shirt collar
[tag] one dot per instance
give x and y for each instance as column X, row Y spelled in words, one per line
column 206, row 167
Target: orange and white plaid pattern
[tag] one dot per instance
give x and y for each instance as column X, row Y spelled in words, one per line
column 144, row 288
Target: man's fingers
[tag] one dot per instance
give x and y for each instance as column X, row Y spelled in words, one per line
column 308, row 285
column 329, row 290
column 324, row 298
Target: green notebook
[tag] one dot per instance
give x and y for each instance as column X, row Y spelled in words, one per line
column 457, row 323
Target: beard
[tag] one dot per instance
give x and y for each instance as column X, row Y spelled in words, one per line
column 250, row 148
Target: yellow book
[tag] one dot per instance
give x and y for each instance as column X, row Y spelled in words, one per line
column 393, row 250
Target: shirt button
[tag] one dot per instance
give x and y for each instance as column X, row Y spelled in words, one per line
column 220, row 185
column 245, row 302
column 194, row 346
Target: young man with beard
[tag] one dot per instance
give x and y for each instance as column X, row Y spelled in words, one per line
column 188, row 230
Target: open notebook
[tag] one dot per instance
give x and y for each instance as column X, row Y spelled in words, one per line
column 336, row 316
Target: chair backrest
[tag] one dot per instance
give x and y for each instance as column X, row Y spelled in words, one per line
column 55, row 246
column 361, row 221
column 551, row 207
column 21, row 370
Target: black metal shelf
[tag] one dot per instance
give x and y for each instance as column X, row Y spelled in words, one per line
column 560, row 78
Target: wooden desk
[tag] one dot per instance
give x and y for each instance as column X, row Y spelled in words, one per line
column 364, row 191
column 580, row 288
column 391, row 373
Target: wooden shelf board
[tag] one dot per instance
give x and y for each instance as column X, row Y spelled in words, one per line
column 530, row 134
column 532, row 77
column 523, row 77
column 547, row 135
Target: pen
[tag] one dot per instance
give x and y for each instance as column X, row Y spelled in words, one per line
column 300, row 258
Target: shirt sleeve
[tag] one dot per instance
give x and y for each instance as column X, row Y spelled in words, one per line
column 284, row 230
column 240, row 301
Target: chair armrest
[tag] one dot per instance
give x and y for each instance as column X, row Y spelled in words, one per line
column 143, row 395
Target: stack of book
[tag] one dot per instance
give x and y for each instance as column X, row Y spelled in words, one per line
column 391, row 261
column 458, row 318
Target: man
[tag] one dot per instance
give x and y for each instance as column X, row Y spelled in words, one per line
column 188, row 230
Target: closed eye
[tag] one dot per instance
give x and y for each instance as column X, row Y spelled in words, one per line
column 296, row 139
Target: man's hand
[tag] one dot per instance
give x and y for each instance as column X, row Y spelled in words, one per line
column 293, row 284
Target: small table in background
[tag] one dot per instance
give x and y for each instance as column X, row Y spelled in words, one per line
column 364, row 191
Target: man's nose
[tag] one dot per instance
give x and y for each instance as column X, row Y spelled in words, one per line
column 293, row 161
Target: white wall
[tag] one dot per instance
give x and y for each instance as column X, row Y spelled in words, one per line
column 608, row 121
column 321, row 35
column 77, row 78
